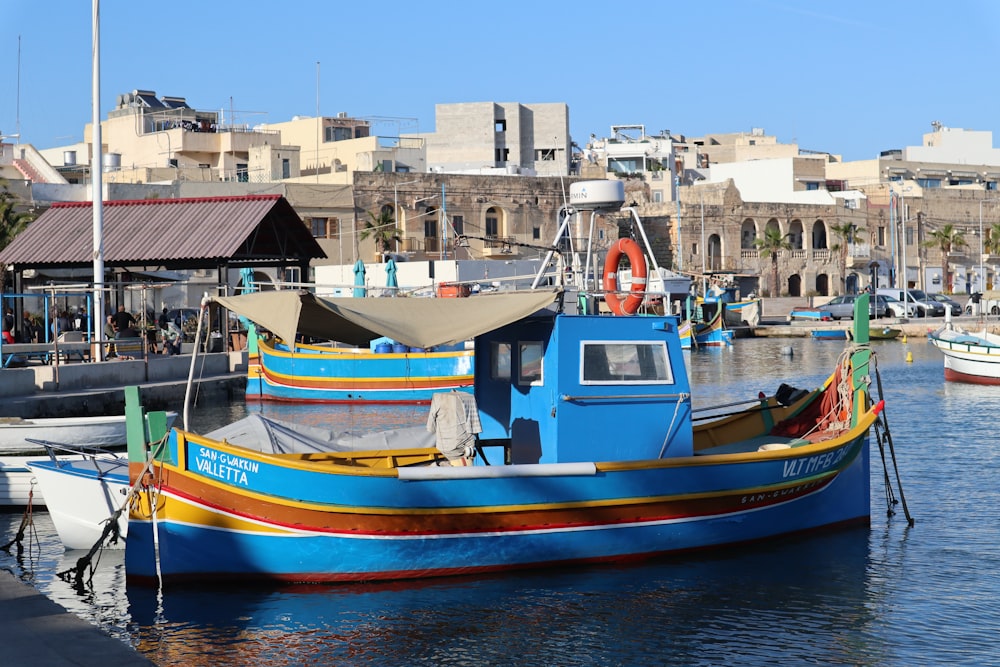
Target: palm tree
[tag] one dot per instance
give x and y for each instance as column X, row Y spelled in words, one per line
column 846, row 232
column 991, row 244
column 769, row 246
column 12, row 223
column 945, row 239
column 382, row 229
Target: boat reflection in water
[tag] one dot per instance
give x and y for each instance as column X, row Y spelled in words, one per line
column 700, row 610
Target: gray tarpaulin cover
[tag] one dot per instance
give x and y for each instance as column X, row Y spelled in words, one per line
column 417, row 322
column 262, row 434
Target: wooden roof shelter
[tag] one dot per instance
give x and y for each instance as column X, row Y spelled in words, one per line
column 173, row 234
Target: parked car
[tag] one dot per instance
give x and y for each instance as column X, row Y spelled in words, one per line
column 947, row 302
column 841, row 307
column 935, row 308
column 897, row 307
column 924, row 306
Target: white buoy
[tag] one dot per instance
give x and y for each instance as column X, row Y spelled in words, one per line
column 787, row 351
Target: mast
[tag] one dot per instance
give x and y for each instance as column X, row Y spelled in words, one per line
column 97, row 186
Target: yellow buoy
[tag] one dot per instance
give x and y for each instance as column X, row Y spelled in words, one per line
column 909, row 357
column 904, row 338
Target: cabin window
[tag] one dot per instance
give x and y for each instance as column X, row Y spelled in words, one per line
column 500, row 362
column 529, row 359
column 634, row 362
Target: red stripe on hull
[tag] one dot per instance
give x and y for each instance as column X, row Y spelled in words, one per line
column 954, row 376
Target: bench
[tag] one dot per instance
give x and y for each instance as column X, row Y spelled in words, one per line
column 127, row 347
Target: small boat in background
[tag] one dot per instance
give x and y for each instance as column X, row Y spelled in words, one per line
column 806, row 313
column 829, row 334
column 385, row 372
column 16, row 432
column 972, row 357
column 20, row 444
column 884, row 333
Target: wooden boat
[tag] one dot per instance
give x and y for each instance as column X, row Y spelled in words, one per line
column 381, row 373
column 578, row 447
column 883, row 333
column 706, row 333
column 829, row 334
column 806, row 313
column 85, row 488
column 972, row 357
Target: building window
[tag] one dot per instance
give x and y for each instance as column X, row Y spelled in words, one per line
column 430, row 229
column 324, row 228
column 536, row 233
column 500, row 125
column 293, row 274
column 502, row 155
column 492, row 223
column 657, row 196
column 242, row 173
column 929, row 182
column 812, row 185
column 458, row 224
column 545, row 155
column 318, row 226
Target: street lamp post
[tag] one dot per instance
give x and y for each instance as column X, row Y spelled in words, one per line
column 395, row 206
column 982, row 250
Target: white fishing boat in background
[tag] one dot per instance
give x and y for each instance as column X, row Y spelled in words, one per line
column 972, row 357
column 19, row 444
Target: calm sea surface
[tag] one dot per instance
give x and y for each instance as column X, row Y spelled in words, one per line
column 888, row 595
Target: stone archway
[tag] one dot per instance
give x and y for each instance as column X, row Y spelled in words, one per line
column 823, row 284
column 714, row 252
column 794, row 285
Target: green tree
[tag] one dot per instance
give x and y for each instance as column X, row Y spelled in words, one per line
column 12, row 223
column 772, row 243
column 945, row 239
column 381, row 227
column 846, row 233
column 991, row 244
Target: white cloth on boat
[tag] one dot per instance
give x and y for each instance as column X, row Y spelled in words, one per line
column 454, row 418
column 277, row 437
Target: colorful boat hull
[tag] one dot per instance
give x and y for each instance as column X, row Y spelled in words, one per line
column 411, row 528
column 316, row 374
column 973, row 358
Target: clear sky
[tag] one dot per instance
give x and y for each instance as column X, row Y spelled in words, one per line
column 851, row 77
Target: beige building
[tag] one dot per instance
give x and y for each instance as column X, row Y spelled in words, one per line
column 490, row 138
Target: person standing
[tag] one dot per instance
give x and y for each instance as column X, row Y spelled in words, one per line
column 123, row 322
column 8, row 325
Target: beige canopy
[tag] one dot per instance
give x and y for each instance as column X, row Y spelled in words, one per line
column 417, row 322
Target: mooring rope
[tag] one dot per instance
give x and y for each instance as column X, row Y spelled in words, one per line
column 27, row 523
column 884, row 438
column 111, row 533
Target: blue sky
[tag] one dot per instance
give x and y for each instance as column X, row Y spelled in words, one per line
column 851, row 77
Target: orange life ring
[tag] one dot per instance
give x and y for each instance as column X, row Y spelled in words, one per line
column 627, row 305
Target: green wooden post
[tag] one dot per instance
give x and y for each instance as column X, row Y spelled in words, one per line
column 135, row 426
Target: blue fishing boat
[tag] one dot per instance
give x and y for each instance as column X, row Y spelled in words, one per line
column 578, row 446
column 829, row 334
column 383, row 372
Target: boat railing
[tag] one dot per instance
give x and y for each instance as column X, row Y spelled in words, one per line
column 86, row 452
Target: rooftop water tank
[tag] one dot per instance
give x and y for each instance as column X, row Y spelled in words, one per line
column 69, row 158
column 112, row 161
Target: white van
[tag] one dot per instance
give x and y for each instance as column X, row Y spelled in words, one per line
column 923, row 308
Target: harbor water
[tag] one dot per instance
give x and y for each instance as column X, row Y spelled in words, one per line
column 888, row 595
